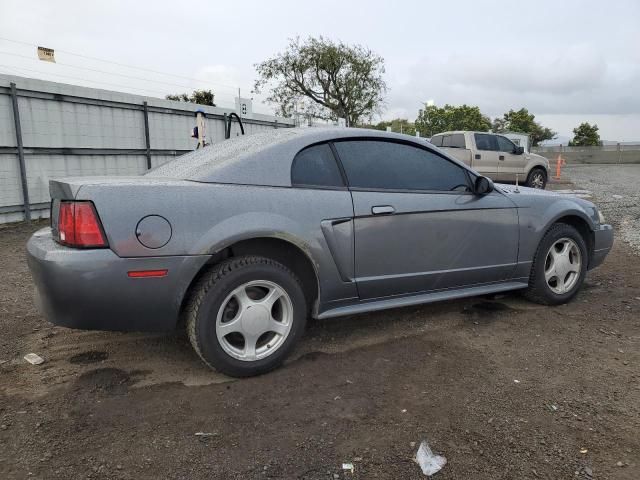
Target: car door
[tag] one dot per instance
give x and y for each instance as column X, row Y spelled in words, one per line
column 418, row 227
column 327, row 201
column 509, row 164
column 485, row 156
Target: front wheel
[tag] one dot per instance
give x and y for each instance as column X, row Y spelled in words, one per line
column 246, row 315
column 537, row 178
column 559, row 266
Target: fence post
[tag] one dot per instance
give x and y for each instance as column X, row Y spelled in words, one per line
column 619, row 153
column 23, row 169
column 146, row 134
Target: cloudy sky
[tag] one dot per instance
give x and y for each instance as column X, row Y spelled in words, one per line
column 566, row 61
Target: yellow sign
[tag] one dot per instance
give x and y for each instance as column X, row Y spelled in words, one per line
column 46, row 54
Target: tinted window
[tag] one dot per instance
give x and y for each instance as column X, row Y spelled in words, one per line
column 437, row 141
column 374, row 164
column 484, row 141
column 454, row 141
column 505, row 145
column 316, row 166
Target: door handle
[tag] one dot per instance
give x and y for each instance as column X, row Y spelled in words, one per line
column 501, row 157
column 382, row 210
column 477, row 157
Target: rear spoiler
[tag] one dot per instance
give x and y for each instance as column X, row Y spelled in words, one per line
column 64, row 188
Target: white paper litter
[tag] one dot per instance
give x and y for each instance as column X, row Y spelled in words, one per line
column 429, row 463
column 34, row 358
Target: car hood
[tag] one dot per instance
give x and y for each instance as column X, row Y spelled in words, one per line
column 525, row 196
column 520, row 190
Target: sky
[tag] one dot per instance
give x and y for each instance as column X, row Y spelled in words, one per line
column 565, row 61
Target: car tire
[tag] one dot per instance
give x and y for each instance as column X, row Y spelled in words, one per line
column 554, row 279
column 537, row 178
column 246, row 315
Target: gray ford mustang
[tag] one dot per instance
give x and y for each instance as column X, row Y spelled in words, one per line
column 245, row 239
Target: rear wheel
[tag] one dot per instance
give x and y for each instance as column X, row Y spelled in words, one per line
column 537, row 178
column 559, row 266
column 246, row 315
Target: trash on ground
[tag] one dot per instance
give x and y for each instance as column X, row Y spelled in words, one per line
column 348, row 467
column 516, row 381
column 583, row 451
column 205, row 434
column 617, row 196
column 429, row 463
column 34, row 358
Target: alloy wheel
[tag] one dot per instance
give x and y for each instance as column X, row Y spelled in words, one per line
column 562, row 266
column 537, row 180
column 254, row 320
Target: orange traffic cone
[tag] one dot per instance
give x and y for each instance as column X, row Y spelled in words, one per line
column 559, row 163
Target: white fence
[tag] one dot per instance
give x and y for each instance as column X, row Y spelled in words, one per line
column 50, row 129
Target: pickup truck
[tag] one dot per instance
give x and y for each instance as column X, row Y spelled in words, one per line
column 495, row 156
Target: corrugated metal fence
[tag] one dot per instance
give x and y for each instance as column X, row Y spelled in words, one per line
column 50, row 129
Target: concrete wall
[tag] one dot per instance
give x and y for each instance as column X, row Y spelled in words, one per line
column 620, row 153
column 76, row 131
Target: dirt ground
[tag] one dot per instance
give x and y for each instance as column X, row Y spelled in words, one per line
column 503, row 388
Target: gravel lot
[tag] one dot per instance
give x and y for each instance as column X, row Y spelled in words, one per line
column 616, row 189
column 503, row 388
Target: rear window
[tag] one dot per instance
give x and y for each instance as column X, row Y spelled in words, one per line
column 454, row 141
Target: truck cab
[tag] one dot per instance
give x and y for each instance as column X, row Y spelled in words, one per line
column 495, row 156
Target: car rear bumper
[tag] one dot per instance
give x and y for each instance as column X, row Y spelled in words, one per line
column 603, row 241
column 90, row 289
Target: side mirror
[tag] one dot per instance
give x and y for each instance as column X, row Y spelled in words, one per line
column 482, row 186
column 518, row 150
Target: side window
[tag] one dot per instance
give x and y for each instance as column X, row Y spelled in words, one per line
column 316, row 166
column 505, row 145
column 436, row 140
column 373, row 164
column 485, row 141
column 454, row 141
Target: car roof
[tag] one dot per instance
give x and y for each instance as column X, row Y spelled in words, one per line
column 463, row 131
column 262, row 158
column 475, row 131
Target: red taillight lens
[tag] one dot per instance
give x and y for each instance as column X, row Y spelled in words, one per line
column 79, row 226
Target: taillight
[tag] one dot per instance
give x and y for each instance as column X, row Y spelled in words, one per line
column 79, row 225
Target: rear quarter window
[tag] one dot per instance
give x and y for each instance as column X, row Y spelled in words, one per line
column 316, row 166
